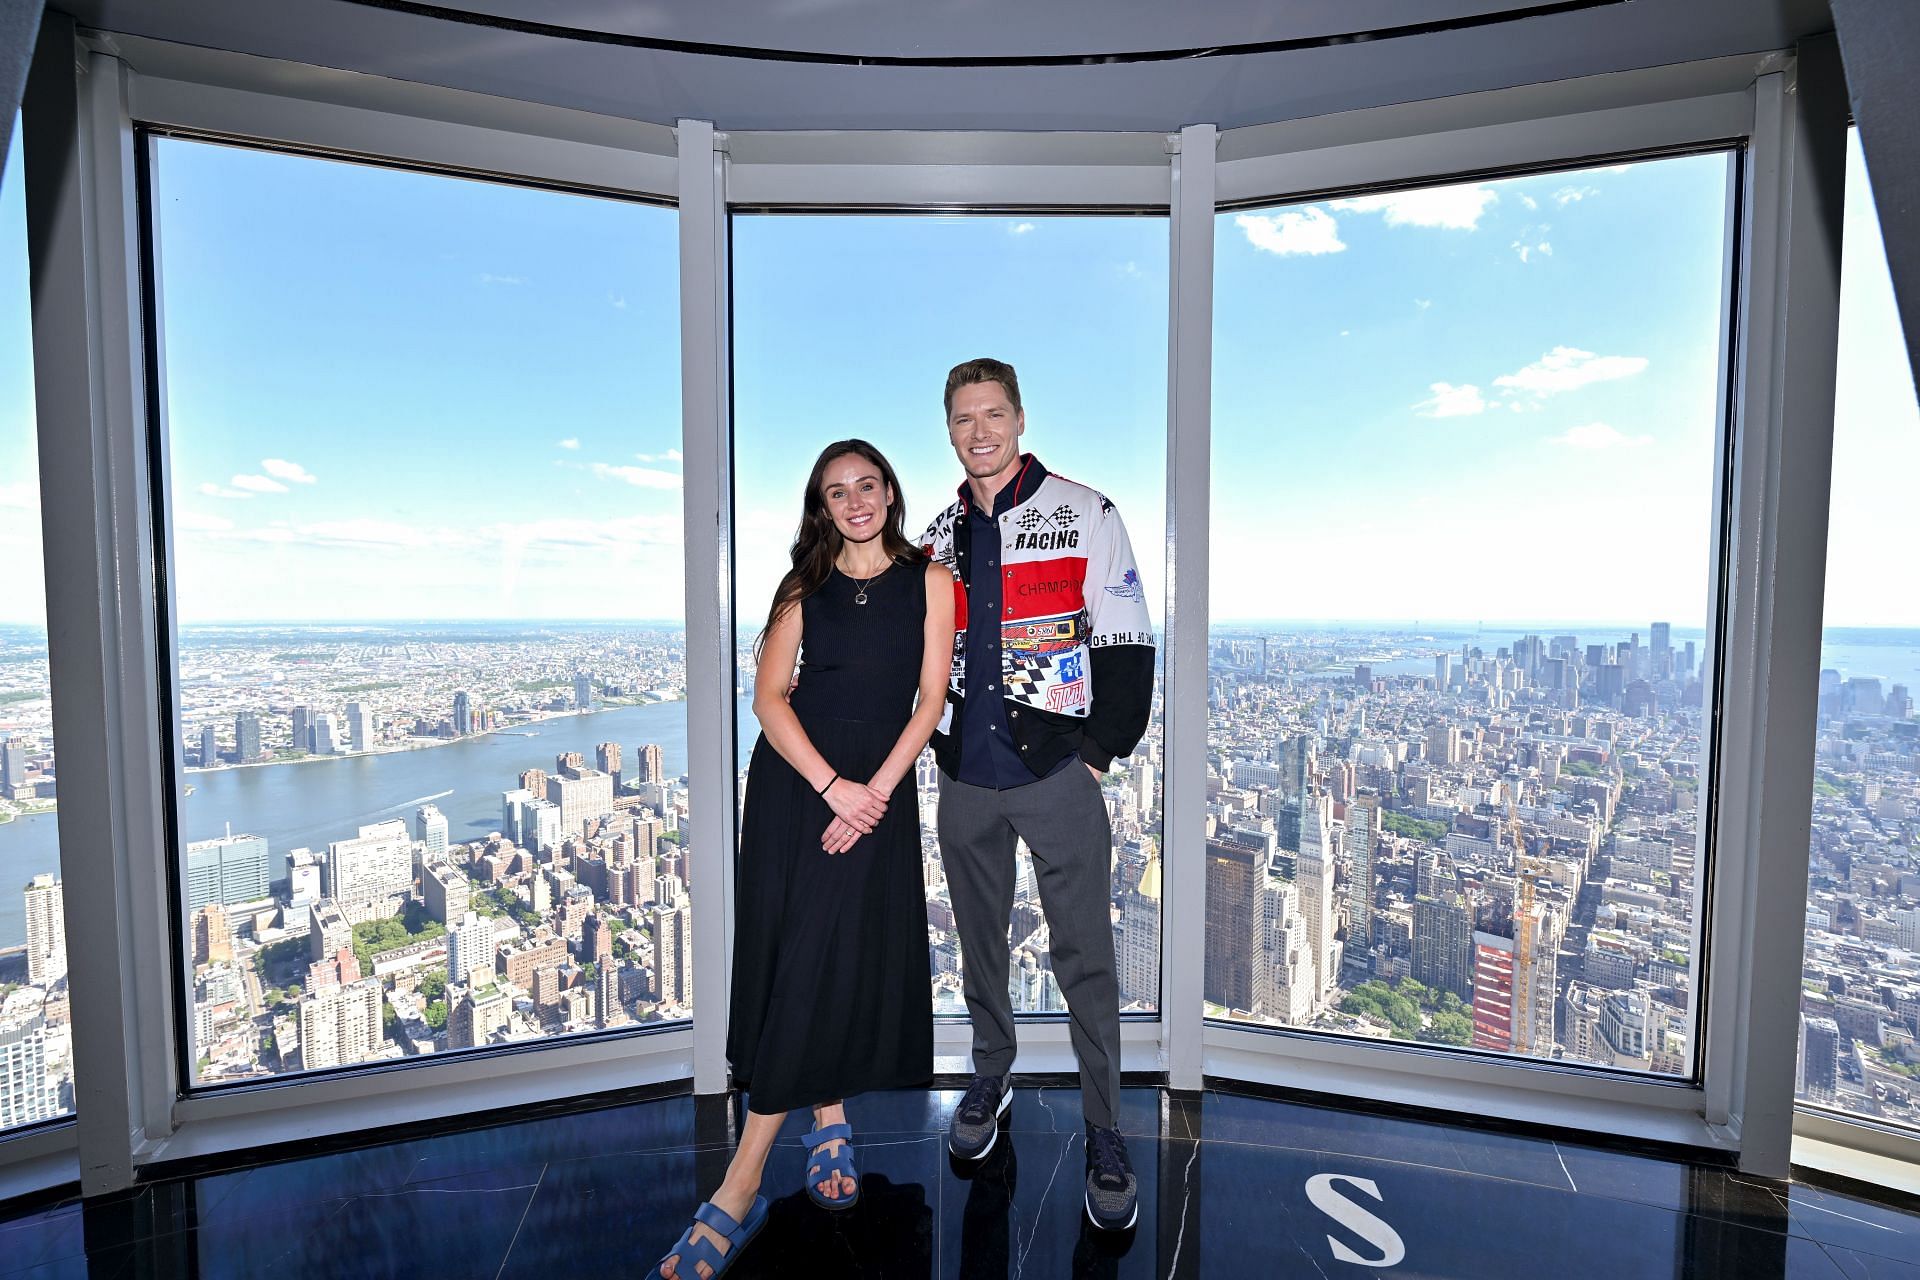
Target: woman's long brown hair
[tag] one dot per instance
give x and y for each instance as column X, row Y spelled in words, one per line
column 817, row 542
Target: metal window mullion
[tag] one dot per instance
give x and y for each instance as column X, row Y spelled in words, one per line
column 1189, row 471
column 99, row 574
column 1780, row 484
column 706, row 442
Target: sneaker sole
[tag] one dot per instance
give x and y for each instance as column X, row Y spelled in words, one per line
column 1112, row 1226
column 1006, row 1100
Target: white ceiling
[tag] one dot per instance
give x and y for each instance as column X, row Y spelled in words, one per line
column 664, row 84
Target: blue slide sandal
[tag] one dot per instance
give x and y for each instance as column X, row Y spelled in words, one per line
column 826, row 1166
column 693, row 1252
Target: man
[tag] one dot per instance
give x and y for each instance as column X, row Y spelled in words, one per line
column 1052, row 678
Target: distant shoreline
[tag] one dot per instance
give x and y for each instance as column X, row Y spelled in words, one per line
column 427, row 744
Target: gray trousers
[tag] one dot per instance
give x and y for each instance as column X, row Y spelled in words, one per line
column 1063, row 819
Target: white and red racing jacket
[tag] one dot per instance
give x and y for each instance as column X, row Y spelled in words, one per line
column 1076, row 643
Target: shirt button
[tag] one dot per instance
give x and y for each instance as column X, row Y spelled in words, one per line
column 989, row 561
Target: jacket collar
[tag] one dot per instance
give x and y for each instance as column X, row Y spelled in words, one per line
column 1025, row 483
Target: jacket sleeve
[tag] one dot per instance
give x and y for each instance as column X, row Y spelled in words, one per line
column 1120, row 639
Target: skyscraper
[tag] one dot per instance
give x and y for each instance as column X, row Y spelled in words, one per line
column 228, row 869
column 209, row 747
column 1442, row 671
column 302, row 729
column 650, row 769
column 26, row 1094
column 246, row 738
column 582, row 690
column 369, row 876
column 1315, row 881
column 1443, row 944
column 470, row 950
column 1363, row 838
column 672, row 949
column 1236, row 909
column 581, row 798
column 462, row 714
column 359, row 726
column 447, row 892
column 13, row 765
column 326, row 734
column 46, row 931
column 607, row 756
column 1285, row 988
column 430, row 828
column 1140, row 938
column 1819, row 1059
column 341, row 1025
column 1662, row 649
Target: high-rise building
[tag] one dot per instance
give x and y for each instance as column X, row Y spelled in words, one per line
column 607, row 756
column 1443, row 944
column 13, row 765
column 26, row 1093
column 359, row 726
column 1442, row 671
column 1296, row 761
column 582, row 690
column 1443, row 744
column 1624, row 1029
column 581, row 798
column 1141, row 778
column 1661, row 648
column 470, row 950
column 302, row 729
column 246, row 738
column 1139, row 950
column 1314, row 877
column 673, row 951
column 326, row 735
column 1285, row 989
column 1236, row 914
column 540, row 826
column 209, row 747
column 212, row 935
column 596, row 940
column 1363, row 840
column 650, row 768
column 462, row 713
column 228, row 869
column 430, row 828
column 1492, row 991
column 447, row 891
column 371, row 875
column 474, row 1018
column 341, row 1025
column 1819, row 1059
column 46, row 931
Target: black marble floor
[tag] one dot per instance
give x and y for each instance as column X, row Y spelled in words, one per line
column 1229, row 1185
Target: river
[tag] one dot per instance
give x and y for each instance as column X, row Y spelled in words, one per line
column 315, row 801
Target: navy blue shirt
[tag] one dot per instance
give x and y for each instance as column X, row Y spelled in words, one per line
column 988, row 757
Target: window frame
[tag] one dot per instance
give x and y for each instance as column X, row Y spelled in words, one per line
column 99, row 519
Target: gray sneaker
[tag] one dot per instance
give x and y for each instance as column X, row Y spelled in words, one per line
column 1113, row 1202
column 976, row 1121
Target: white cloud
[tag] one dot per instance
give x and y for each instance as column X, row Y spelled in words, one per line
column 1423, row 303
column 1311, row 230
column 617, row 302
column 571, row 442
column 1598, row 435
column 23, row 495
column 1573, row 195
column 257, row 484
column 1529, row 201
column 213, row 490
column 284, row 470
column 568, row 532
column 1449, row 401
column 639, row 477
column 1020, row 229
column 1568, row 369
column 671, row 455
column 487, row 277
column 1532, row 242
column 1455, row 208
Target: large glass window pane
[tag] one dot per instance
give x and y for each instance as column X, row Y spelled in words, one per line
column 1860, row 997
column 36, row 1042
column 425, row 507
column 846, row 326
column 1462, row 532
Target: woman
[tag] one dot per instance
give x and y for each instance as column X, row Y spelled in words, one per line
column 831, row 990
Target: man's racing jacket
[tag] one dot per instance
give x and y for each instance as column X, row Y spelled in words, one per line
column 1076, row 644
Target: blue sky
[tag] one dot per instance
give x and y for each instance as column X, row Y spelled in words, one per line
column 398, row 395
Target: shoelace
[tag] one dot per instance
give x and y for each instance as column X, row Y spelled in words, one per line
column 979, row 1102
column 1109, row 1156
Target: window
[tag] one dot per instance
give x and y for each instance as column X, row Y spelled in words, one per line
column 36, row 1040
column 1462, row 533
column 425, row 513
column 1078, row 305
column 1860, row 997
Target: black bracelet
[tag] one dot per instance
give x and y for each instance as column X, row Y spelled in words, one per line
column 822, row 792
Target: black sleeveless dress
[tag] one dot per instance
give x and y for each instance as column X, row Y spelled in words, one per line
column 832, row 994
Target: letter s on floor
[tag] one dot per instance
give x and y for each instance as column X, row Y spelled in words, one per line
column 1326, row 1197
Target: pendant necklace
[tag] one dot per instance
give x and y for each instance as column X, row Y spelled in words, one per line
column 860, row 596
